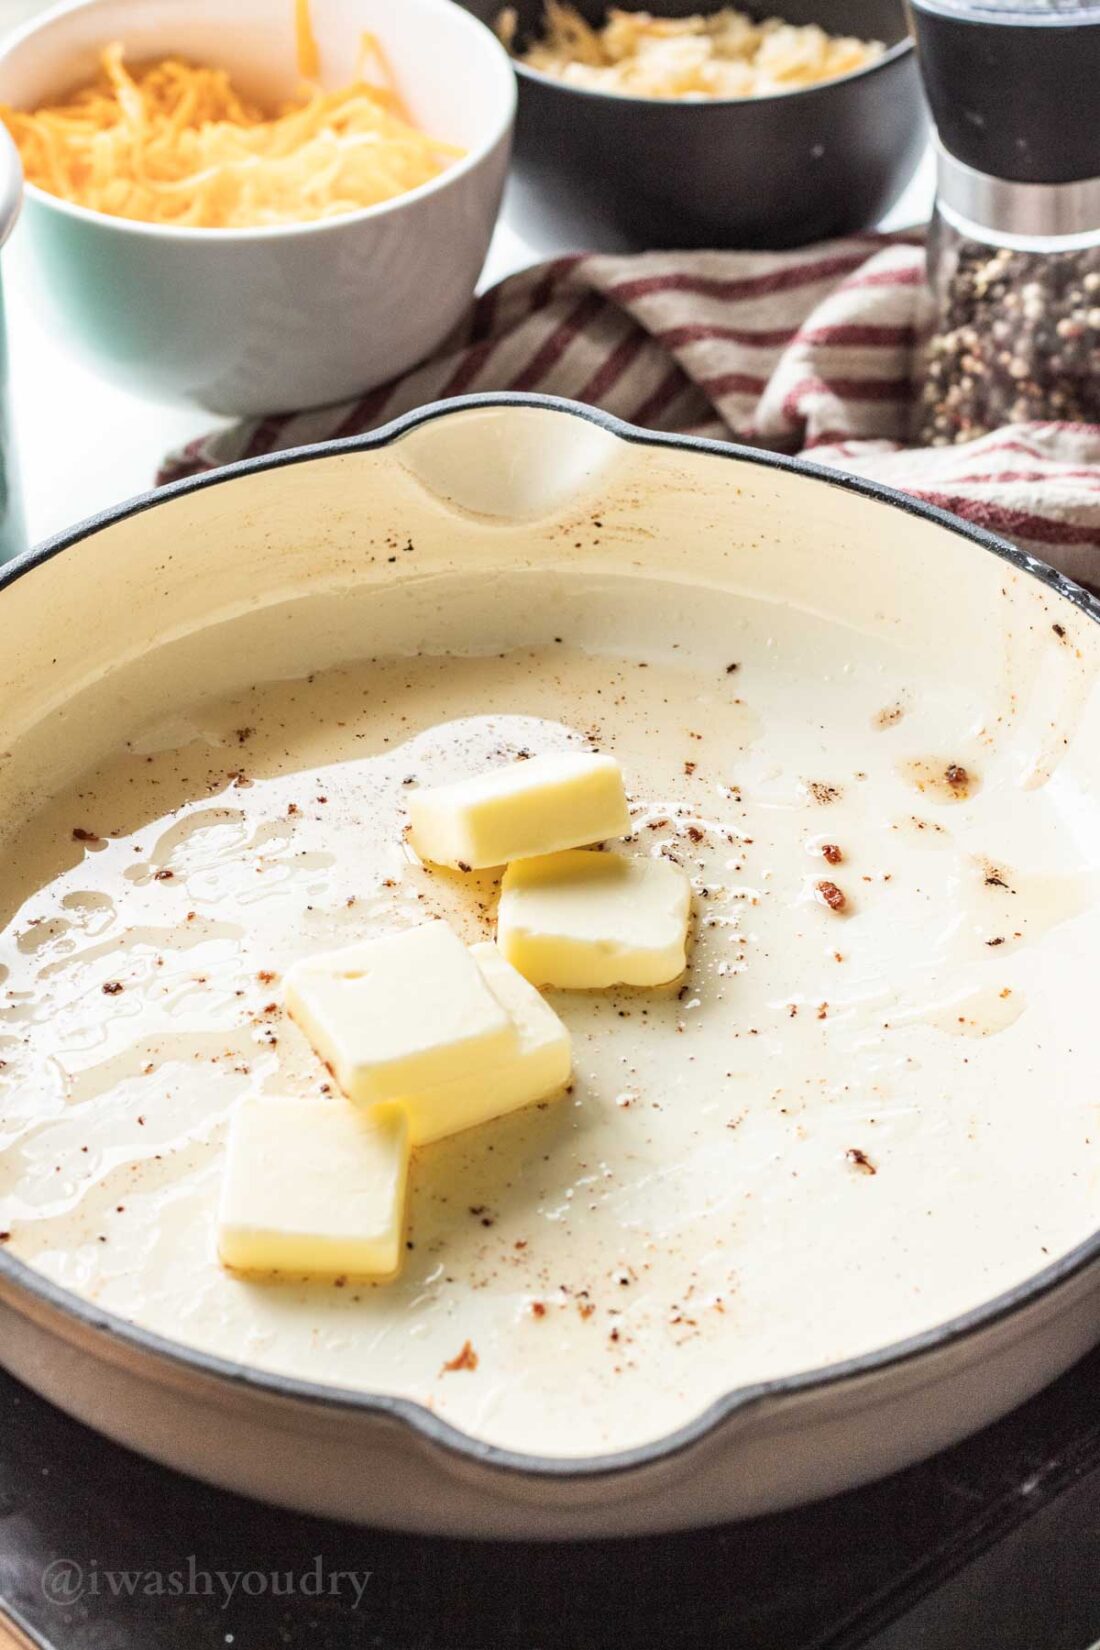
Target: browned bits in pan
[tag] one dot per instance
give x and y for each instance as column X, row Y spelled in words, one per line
column 466, row 1358
column 829, row 894
column 822, row 792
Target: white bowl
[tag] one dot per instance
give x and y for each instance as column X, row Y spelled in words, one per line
column 256, row 320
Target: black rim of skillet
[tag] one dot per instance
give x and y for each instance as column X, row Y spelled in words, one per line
column 420, row 1421
column 537, row 77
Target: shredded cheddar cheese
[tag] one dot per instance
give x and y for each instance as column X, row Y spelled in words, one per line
column 309, row 56
column 176, row 143
column 722, row 55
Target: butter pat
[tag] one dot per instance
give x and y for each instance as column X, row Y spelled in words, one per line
column 540, row 1063
column 587, row 920
column 534, row 807
column 313, row 1186
column 399, row 1014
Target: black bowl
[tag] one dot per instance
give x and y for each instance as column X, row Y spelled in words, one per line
column 617, row 173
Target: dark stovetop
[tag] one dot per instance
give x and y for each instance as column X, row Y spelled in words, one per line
column 995, row 1543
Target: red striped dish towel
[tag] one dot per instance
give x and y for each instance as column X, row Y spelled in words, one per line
column 812, row 351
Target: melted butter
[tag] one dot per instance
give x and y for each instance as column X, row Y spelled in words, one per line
column 697, row 1212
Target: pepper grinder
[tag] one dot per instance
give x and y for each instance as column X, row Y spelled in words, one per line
column 1014, row 244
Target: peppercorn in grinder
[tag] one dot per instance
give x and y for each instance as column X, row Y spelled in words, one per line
column 1014, row 244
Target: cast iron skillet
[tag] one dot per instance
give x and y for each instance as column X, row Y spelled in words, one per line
column 616, row 173
column 390, row 1460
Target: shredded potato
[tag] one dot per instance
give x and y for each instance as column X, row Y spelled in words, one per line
column 723, row 55
column 175, row 143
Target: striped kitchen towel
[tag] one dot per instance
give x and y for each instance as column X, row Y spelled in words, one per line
column 814, row 351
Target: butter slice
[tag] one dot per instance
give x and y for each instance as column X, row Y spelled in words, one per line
column 588, row 920
column 541, row 1062
column 313, row 1186
column 535, row 807
column 398, row 1014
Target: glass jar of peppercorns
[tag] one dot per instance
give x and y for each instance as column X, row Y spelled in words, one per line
column 1013, row 330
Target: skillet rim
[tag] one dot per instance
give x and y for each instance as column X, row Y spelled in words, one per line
column 426, row 1428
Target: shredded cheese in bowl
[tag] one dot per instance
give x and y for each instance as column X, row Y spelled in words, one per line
column 175, row 143
column 723, row 55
